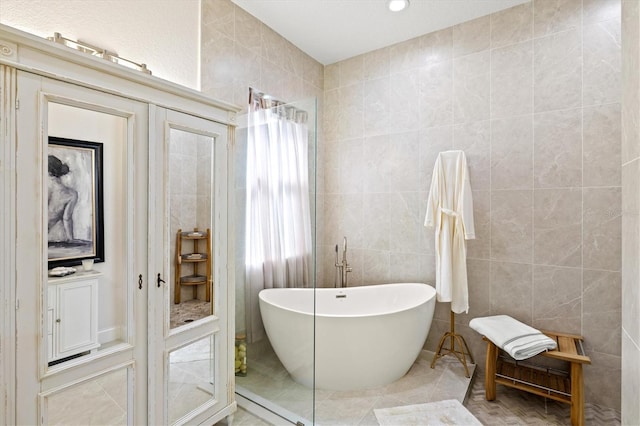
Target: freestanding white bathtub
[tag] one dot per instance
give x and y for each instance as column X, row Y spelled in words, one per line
column 364, row 336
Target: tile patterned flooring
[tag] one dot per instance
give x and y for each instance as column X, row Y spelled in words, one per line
column 421, row 384
column 267, row 378
column 187, row 311
column 513, row 407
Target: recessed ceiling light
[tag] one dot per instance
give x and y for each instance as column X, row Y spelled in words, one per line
column 397, row 5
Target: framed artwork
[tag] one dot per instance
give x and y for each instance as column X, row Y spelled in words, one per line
column 75, row 214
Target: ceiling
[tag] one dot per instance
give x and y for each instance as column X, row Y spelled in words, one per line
column 332, row 30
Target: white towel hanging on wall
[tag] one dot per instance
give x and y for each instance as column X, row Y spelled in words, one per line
column 450, row 213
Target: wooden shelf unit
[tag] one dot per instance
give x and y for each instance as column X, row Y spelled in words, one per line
column 197, row 258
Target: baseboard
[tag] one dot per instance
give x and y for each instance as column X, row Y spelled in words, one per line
column 109, row 335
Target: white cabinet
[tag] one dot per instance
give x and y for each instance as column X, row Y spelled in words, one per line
column 47, row 89
column 72, row 315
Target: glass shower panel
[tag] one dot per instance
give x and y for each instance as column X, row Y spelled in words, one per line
column 274, row 142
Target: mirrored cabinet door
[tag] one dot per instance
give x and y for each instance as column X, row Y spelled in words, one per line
column 188, row 174
column 78, row 207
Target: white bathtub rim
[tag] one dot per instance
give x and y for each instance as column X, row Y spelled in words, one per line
column 338, row 291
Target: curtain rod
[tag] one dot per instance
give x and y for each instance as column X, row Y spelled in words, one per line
column 260, row 100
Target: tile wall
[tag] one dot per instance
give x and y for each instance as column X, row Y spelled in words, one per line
column 237, row 52
column 630, row 212
column 532, row 95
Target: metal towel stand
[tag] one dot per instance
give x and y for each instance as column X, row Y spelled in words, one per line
column 459, row 354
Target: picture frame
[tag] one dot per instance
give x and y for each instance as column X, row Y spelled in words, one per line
column 75, row 211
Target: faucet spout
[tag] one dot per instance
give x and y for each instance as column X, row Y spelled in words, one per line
column 344, row 249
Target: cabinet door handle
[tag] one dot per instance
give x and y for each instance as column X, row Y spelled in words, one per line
column 160, row 280
column 140, row 281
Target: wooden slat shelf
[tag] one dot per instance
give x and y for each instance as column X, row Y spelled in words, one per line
column 187, row 260
column 193, row 280
column 195, row 235
column 529, row 379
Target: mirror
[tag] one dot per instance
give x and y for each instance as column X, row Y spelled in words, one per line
column 99, row 401
column 190, row 184
column 191, row 377
column 86, row 185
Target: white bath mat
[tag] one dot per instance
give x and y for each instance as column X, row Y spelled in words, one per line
column 440, row 413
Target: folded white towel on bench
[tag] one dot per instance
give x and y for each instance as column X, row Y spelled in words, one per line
column 517, row 339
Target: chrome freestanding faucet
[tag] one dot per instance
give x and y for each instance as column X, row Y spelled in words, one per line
column 343, row 267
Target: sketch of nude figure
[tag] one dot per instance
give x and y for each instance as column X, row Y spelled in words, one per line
column 62, row 199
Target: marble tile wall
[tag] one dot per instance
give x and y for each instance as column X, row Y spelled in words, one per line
column 238, row 51
column 532, row 95
column 630, row 212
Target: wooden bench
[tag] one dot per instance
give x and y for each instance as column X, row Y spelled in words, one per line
column 558, row 385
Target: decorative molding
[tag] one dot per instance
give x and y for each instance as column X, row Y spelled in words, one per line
column 45, row 57
column 8, row 50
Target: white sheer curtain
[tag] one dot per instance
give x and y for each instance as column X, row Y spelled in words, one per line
column 278, row 220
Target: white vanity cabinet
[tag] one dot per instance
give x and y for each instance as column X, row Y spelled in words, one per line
column 72, row 314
